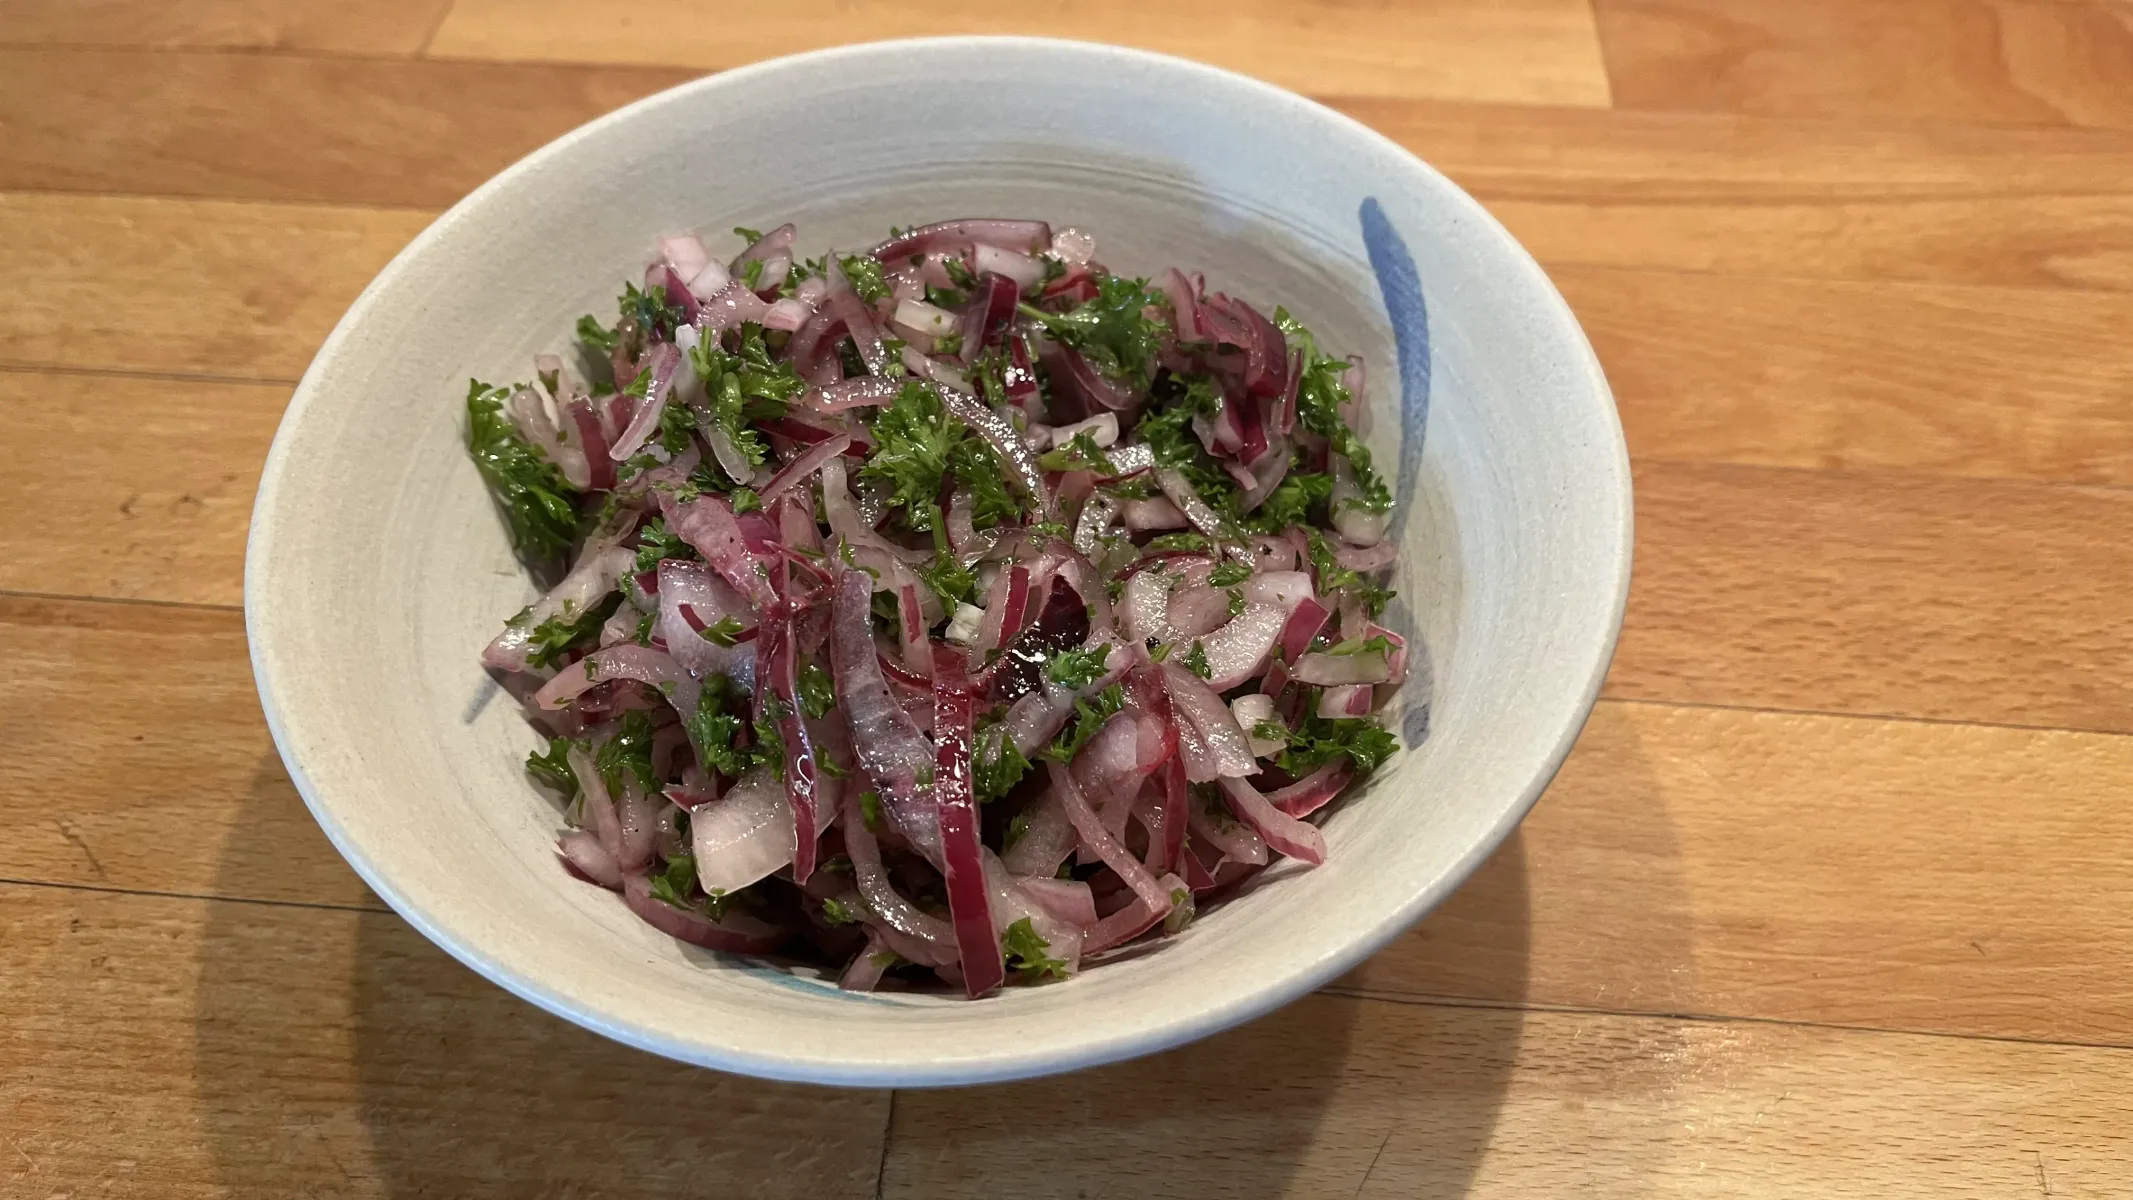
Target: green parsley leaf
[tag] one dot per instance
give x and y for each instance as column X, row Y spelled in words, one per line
column 1318, row 740
column 818, row 694
column 1080, row 454
column 959, row 273
column 920, row 446
column 656, row 542
column 1319, row 396
column 645, row 625
column 1228, row 574
column 597, row 336
column 1376, row 644
column 752, row 275
column 725, row 631
column 1179, row 541
column 715, row 733
column 554, row 639
column 750, row 236
column 1333, row 577
column 836, row 912
column 630, row 749
column 870, row 809
column 947, row 298
column 1112, row 330
column 552, row 767
column 746, row 500
column 1089, row 718
column 1292, row 502
column 996, row 766
column 1196, row 661
column 1078, row 668
column 866, row 277
column 1236, row 601
column 535, row 498
column 1025, row 952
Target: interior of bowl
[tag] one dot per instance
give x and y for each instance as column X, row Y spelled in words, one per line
column 378, row 567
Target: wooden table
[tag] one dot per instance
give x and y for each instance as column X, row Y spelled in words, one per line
column 1834, row 897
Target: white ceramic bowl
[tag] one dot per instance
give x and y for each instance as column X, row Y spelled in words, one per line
column 377, row 567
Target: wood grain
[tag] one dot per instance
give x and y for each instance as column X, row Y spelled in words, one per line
column 149, row 762
column 1791, row 198
column 212, row 288
column 1658, row 831
column 349, row 26
column 186, row 1048
column 1345, row 1098
column 2018, row 61
column 158, row 489
column 357, row 131
column 1963, row 600
column 1531, row 51
column 1935, row 877
column 1921, row 378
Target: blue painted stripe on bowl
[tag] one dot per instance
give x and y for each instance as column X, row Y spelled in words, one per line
column 1401, row 286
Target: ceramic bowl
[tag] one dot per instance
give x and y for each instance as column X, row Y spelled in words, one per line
column 377, row 567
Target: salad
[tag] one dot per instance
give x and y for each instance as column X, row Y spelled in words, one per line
column 952, row 611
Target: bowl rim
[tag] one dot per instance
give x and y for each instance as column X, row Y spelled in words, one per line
column 799, row 1065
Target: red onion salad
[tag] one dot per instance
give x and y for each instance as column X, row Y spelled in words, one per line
column 952, row 611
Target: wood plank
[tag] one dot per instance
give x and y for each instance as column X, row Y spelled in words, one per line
column 1757, row 196
column 1961, row 600
column 1343, row 1098
column 149, row 762
column 1738, row 863
column 1874, row 873
column 347, row 26
column 341, row 130
column 150, row 489
column 2015, row 61
column 206, row 287
column 184, row 1048
column 2024, row 383
column 1530, row 51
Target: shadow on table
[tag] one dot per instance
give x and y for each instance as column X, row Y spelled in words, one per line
column 341, row 1054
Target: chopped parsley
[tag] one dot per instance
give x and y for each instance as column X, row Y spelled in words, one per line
column 1318, row 740
column 750, row 236
column 1025, row 952
column 1195, row 660
column 1333, row 577
column 537, row 501
column 655, row 542
column 1319, row 396
column 1079, row 454
column 1089, row 718
column 1112, row 329
column 1078, row 668
column 715, row 732
column 555, row 639
column 1179, row 541
column 996, row 764
column 746, row 500
column 1228, row 574
column 552, row 766
column 726, row 631
column 866, row 277
column 631, row 750
column 870, row 809
column 920, row 447
column 818, row 695
column 837, row 912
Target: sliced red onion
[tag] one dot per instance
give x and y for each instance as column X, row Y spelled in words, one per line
column 1303, row 628
column 1184, row 306
column 1094, row 523
column 921, row 319
column 865, row 392
column 1047, row 838
column 1131, row 460
column 804, row 466
column 1236, row 651
column 1020, row 380
column 969, row 893
column 776, row 268
column 1197, row 611
column 692, row 590
column 888, row 745
column 629, row 661
column 1156, row 512
column 934, row 936
column 1020, row 268
column 1236, row 841
column 529, row 413
column 731, row 307
column 592, row 441
column 708, row 524
column 911, row 629
column 1248, row 711
column 599, row 567
column 1073, row 247
column 589, row 858
column 779, row 240
column 787, row 314
column 937, row 371
column 1144, row 606
column 1003, row 610
column 989, row 312
column 1208, row 738
column 1282, row 832
column 744, row 836
column 864, row 972
column 971, row 231
column 1073, row 374
column 777, row 702
column 1313, row 791
column 970, row 545
column 665, row 358
column 1346, row 700
column 1330, row 670
column 1181, row 493
column 1013, row 452
column 1097, row 838
column 1067, row 899
column 735, row 934
column 685, row 253
column 1355, row 523
column 1272, row 554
